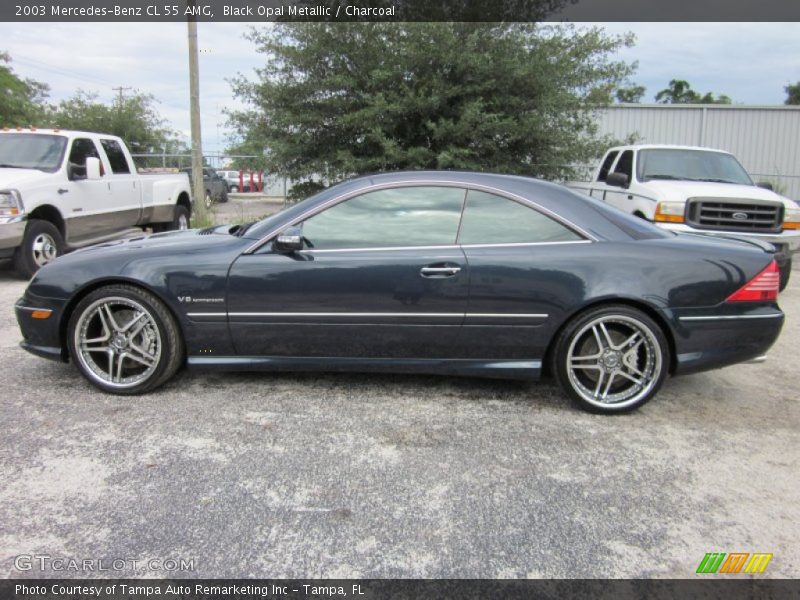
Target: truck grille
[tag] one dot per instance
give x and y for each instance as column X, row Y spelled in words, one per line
column 734, row 215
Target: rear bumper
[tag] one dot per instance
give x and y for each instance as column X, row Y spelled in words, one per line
column 706, row 341
column 787, row 241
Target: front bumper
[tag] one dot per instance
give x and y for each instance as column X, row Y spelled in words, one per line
column 787, row 241
column 40, row 336
column 11, row 233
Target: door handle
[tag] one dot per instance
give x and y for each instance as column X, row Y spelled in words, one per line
column 439, row 271
column 62, row 191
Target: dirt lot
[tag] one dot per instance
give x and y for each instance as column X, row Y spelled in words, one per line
column 396, row 476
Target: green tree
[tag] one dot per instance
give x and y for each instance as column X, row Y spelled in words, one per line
column 680, row 92
column 792, row 93
column 134, row 119
column 21, row 100
column 631, row 94
column 335, row 100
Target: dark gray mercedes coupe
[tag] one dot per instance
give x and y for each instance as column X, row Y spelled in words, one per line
column 439, row 272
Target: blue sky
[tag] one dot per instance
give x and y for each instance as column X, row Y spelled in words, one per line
column 750, row 62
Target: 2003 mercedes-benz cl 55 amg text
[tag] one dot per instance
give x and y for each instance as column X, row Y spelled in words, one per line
column 439, row 272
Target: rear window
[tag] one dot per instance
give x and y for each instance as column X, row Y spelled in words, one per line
column 116, row 156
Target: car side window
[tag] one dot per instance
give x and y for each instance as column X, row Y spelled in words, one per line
column 116, row 157
column 405, row 216
column 490, row 219
column 82, row 148
column 606, row 166
column 625, row 164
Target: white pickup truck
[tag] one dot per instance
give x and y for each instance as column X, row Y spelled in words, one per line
column 696, row 190
column 61, row 190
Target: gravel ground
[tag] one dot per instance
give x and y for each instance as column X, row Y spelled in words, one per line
column 397, row 476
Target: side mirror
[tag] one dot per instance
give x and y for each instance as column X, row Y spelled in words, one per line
column 289, row 240
column 766, row 185
column 617, row 179
column 92, row 168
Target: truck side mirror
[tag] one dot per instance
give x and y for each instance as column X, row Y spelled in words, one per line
column 617, row 179
column 92, row 168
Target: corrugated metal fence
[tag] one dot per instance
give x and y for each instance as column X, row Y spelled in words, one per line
column 765, row 139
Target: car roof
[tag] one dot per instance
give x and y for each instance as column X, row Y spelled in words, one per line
column 597, row 219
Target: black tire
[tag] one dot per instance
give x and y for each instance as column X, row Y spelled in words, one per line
column 41, row 243
column 167, row 343
column 224, row 197
column 181, row 220
column 786, row 273
column 596, row 359
column 234, row 189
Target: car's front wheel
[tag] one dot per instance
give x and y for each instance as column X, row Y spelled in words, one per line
column 611, row 359
column 124, row 340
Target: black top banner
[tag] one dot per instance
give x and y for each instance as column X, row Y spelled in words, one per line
column 398, row 10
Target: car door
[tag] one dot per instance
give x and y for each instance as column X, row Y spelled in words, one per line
column 85, row 199
column 525, row 272
column 380, row 276
column 599, row 188
column 617, row 196
column 124, row 205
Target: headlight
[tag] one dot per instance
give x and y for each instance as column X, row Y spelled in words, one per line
column 670, row 212
column 10, row 204
column 791, row 218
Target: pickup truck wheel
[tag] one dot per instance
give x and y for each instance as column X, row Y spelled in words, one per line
column 124, row 340
column 41, row 243
column 181, row 221
column 208, row 200
column 786, row 273
column 224, row 196
column 234, row 188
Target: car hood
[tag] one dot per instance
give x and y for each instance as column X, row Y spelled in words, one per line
column 682, row 190
column 169, row 244
column 11, row 178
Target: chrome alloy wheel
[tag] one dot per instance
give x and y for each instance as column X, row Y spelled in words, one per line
column 44, row 249
column 118, row 342
column 614, row 360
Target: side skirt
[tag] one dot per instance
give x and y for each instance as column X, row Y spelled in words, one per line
column 501, row 369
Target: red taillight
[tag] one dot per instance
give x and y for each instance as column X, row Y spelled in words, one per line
column 761, row 288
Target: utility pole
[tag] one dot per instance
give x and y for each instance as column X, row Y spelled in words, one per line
column 198, row 191
column 120, row 90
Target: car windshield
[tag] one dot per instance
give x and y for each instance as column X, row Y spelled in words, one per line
column 690, row 165
column 31, row 151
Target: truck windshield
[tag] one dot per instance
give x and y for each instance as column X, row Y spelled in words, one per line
column 690, row 165
column 31, row 151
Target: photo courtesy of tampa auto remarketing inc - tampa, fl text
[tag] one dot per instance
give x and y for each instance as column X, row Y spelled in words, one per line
column 399, row 299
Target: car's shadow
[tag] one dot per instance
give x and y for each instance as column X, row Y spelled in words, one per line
column 370, row 385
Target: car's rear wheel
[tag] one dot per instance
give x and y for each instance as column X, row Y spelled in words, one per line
column 234, row 189
column 611, row 359
column 124, row 340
